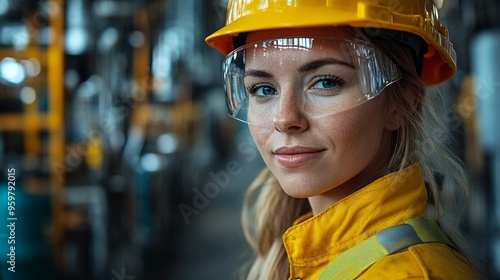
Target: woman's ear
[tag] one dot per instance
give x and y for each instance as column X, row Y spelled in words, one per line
column 401, row 110
column 395, row 119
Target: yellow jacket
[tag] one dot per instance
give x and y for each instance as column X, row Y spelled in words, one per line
column 314, row 241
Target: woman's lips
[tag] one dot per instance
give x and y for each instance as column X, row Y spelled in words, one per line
column 296, row 156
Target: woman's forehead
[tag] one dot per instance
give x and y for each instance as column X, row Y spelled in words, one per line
column 338, row 32
column 293, row 51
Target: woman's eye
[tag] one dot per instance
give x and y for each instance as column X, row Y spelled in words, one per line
column 327, row 83
column 261, row 90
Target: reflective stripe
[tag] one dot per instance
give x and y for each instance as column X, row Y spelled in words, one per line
column 398, row 238
column 352, row 262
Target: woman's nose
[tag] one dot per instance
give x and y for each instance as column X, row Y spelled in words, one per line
column 289, row 116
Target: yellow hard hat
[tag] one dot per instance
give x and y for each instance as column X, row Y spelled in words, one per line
column 419, row 17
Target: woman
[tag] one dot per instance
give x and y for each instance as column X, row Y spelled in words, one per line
column 334, row 94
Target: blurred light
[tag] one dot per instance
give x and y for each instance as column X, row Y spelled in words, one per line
column 4, row 6
column 46, row 36
column 162, row 62
column 77, row 37
column 167, row 143
column 107, row 8
column 32, row 66
column 86, row 90
column 21, row 38
column 15, row 34
column 90, row 87
column 150, row 162
column 71, row 78
column 136, row 39
column 108, row 39
column 28, row 95
column 76, row 40
column 11, row 71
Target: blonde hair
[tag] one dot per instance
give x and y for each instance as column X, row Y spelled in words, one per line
column 268, row 211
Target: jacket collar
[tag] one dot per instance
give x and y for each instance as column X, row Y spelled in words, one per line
column 314, row 241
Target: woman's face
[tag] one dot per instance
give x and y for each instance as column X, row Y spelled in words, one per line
column 328, row 156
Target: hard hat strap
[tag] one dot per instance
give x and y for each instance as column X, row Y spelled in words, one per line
column 415, row 42
column 239, row 40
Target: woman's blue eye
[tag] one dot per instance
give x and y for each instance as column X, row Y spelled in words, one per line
column 326, row 84
column 266, row 91
column 262, row 90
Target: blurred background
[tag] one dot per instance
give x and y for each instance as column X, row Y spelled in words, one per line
column 114, row 129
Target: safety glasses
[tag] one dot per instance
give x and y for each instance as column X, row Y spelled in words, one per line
column 313, row 76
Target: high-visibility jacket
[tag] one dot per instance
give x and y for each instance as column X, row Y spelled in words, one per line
column 314, row 241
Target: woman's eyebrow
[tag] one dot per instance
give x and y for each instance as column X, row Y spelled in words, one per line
column 258, row 73
column 315, row 64
column 312, row 65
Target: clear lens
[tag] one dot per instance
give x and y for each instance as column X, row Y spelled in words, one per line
column 316, row 77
